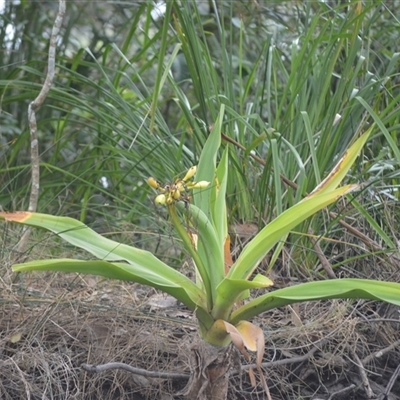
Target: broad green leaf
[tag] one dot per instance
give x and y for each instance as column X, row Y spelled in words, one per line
column 207, row 164
column 209, row 248
column 213, row 255
column 229, row 291
column 218, row 207
column 340, row 170
column 80, row 235
column 187, row 294
column 254, row 251
column 190, row 243
column 329, row 289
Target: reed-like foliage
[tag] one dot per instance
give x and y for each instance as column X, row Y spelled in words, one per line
column 298, row 83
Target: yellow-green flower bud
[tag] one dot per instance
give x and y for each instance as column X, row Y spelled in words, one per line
column 160, row 199
column 153, row 183
column 180, row 185
column 190, row 173
column 176, row 194
column 200, row 185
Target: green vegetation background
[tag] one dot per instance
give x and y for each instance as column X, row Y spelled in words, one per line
column 135, row 95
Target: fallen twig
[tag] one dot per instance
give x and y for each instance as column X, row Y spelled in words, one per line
column 322, row 258
column 342, row 391
column 380, row 353
column 137, row 371
column 392, row 380
column 365, row 382
column 172, row 375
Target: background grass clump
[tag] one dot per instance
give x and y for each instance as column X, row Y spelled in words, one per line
column 136, row 94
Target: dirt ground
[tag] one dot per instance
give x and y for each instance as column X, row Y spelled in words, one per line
column 51, row 324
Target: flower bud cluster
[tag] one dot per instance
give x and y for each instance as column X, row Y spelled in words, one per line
column 177, row 191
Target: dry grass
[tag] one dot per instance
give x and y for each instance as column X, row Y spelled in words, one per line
column 52, row 323
column 46, row 338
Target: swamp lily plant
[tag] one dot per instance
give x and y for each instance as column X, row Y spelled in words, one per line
column 220, row 294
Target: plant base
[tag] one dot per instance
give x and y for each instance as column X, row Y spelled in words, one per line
column 210, row 366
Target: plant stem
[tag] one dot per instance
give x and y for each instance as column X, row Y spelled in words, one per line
column 189, row 246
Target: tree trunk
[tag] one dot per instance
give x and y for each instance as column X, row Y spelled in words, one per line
column 210, row 367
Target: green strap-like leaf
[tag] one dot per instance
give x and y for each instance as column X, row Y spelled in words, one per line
column 329, row 289
column 80, row 235
column 218, row 205
column 210, row 253
column 207, row 165
column 213, row 254
column 231, row 290
column 340, row 170
column 278, row 228
column 133, row 273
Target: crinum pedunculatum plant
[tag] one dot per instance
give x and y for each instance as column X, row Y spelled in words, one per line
column 220, row 295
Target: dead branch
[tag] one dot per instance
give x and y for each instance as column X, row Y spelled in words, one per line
column 133, row 370
column 342, row 391
column 392, row 380
column 172, row 375
column 380, row 353
column 33, row 107
column 322, row 258
column 365, row 382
